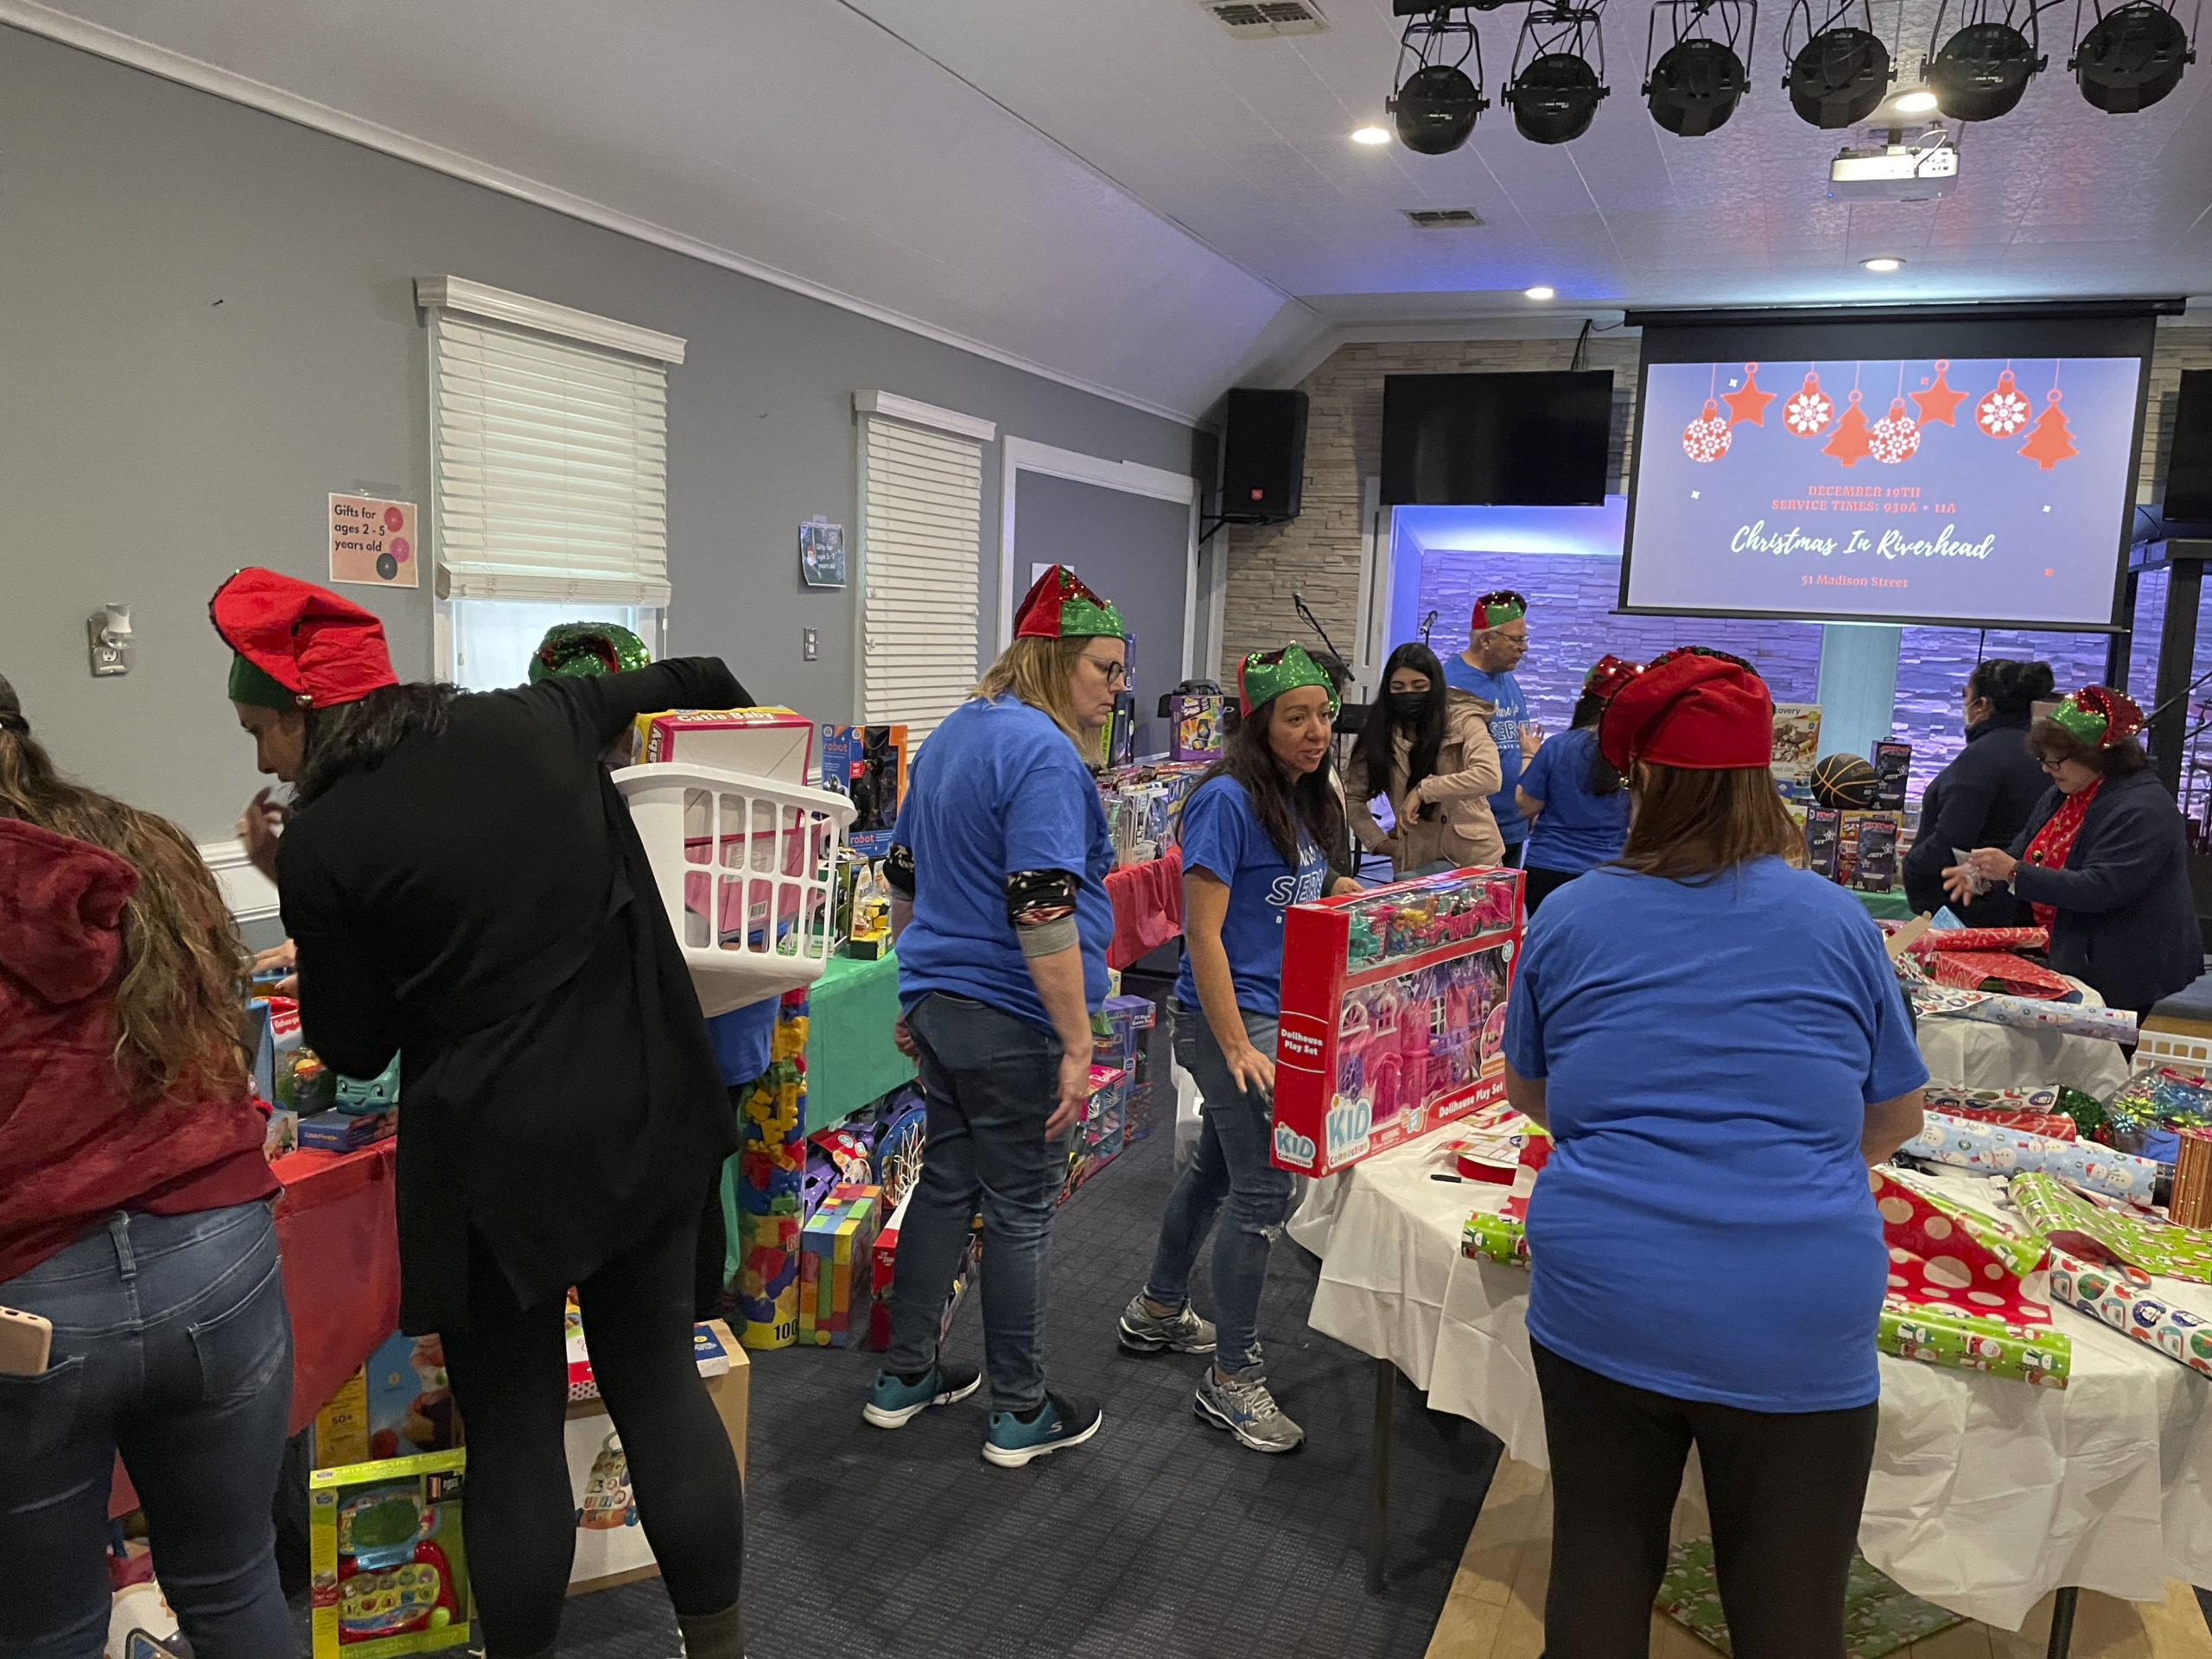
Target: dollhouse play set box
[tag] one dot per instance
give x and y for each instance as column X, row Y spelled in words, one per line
column 1393, row 1014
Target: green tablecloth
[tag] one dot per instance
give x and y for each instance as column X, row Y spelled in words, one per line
column 850, row 1060
column 1883, row 906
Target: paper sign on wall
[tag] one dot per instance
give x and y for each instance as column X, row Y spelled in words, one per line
column 373, row 542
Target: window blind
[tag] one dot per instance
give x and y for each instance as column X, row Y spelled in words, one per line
column 921, row 523
column 551, row 467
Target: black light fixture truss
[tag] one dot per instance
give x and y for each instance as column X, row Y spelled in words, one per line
column 1435, row 101
column 1555, row 87
column 1695, row 83
column 2130, row 57
column 1839, row 68
column 1980, row 59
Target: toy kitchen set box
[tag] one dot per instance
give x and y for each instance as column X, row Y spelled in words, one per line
column 1393, row 1014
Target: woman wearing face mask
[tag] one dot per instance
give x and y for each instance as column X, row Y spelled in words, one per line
column 1428, row 750
column 2104, row 860
column 1988, row 793
column 1252, row 838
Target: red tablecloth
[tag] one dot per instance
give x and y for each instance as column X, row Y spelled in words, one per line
column 338, row 1234
column 1148, row 901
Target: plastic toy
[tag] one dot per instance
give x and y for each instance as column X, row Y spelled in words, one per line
column 390, row 1572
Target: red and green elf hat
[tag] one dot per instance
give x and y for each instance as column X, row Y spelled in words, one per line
column 1266, row 675
column 2100, row 716
column 1498, row 607
column 583, row 648
column 1060, row 608
column 1607, row 676
column 298, row 645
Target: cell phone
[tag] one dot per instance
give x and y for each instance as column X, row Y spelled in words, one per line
column 26, row 1340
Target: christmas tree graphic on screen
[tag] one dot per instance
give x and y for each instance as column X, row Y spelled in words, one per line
column 1942, row 487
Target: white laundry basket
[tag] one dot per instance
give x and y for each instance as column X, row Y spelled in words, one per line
column 746, row 869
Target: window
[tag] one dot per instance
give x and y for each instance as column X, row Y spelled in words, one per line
column 920, row 558
column 548, row 439
column 491, row 639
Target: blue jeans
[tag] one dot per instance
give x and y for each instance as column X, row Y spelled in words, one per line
column 171, row 1343
column 990, row 1081
column 1235, row 1132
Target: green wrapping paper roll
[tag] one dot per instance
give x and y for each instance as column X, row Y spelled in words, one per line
column 1970, row 1341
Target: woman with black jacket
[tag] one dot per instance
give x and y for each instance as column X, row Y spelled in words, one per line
column 1983, row 798
column 466, row 888
column 2104, row 861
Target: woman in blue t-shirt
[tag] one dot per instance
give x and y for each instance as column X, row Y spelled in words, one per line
column 1252, row 837
column 1719, row 1047
column 997, row 869
column 1573, row 794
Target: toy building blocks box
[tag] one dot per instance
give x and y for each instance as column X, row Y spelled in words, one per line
column 1393, row 1014
column 390, row 1569
column 836, row 1252
column 771, row 742
column 867, row 763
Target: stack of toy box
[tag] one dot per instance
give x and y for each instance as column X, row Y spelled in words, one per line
column 883, row 1265
column 836, row 1257
column 772, row 1162
column 1096, row 1140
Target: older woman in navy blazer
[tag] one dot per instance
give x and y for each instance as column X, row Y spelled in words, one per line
column 2104, row 860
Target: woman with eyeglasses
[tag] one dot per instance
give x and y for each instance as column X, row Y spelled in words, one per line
column 997, row 870
column 1429, row 750
column 1988, row 793
column 2104, row 861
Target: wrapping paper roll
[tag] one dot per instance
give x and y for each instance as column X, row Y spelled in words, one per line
column 2049, row 1205
column 2022, row 1012
column 1971, row 1342
column 2122, row 1299
column 2000, row 1151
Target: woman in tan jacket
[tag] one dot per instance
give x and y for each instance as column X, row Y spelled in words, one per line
column 1427, row 748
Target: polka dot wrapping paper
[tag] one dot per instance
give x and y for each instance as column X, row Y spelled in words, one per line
column 1964, row 1290
column 2159, row 1248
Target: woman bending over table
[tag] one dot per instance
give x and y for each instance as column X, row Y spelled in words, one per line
column 1707, row 1265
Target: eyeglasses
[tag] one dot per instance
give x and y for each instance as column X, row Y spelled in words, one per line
column 2051, row 763
column 1115, row 673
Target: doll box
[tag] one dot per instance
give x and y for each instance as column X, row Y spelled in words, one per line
column 1393, row 1014
column 770, row 742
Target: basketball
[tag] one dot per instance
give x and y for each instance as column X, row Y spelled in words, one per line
column 1843, row 781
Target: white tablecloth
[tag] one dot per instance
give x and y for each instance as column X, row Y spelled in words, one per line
column 1986, row 1493
column 1974, row 1054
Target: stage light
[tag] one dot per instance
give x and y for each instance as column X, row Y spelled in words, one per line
column 1983, row 67
column 2132, row 57
column 1555, row 89
column 1539, row 292
column 1435, row 105
column 1884, row 263
column 1370, row 135
column 1696, row 84
column 1914, row 103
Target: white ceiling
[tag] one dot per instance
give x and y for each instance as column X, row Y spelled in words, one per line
column 1120, row 195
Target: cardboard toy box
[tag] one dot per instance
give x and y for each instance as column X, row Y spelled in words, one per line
column 1195, row 722
column 836, row 1250
column 389, row 1566
column 868, row 764
column 770, row 742
column 398, row 1404
column 1893, row 762
column 1128, row 1044
column 1393, row 1014
column 1796, row 738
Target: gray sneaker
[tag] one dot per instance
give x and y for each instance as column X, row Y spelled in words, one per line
column 1143, row 1332
column 1243, row 1407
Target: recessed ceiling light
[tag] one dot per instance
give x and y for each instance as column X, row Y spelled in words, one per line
column 1884, row 264
column 1370, row 135
column 1539, row 292
column 1916, row 102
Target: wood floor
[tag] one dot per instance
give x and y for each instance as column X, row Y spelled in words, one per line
column 1496, row 1607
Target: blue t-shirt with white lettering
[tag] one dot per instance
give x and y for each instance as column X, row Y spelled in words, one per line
column 997, row 789
column 1223, row 835
column 1511, row 703
column 1577, row 829
column 1703, row 1227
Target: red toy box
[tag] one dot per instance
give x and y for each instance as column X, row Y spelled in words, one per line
column 1393, row 1014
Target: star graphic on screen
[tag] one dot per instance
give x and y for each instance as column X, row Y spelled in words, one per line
column 1937, row 403
column 1748, row 405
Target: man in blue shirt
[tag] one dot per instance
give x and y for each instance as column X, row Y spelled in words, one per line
column 1496, row 641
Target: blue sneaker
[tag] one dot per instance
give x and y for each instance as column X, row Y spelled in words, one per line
column 892, row 1403
column 1059, row 1422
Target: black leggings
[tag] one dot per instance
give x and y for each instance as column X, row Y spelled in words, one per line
column 1539, row 884
column 510, row 1376
column 1784, row 1489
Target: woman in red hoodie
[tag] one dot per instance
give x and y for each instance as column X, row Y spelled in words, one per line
column 135, row 1217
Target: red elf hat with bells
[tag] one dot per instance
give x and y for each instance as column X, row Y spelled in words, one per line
column 1701, row 712
column 321, row 648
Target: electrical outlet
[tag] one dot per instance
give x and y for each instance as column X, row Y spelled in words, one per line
column 809, row 644
column 108, row 631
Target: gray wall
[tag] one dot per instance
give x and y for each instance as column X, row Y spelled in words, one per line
column 210, row 327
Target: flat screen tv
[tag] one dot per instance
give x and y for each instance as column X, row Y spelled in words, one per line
column 1496, row 440
column 1945, row 469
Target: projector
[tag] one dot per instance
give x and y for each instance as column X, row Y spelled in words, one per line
column 1896, row 171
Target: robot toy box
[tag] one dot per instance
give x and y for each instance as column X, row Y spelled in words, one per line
column 868, row 764
column 390, row 1569
column 1393, row 1014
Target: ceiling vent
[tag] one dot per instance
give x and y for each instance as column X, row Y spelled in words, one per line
column 1445, row 218
column 1260, row 20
